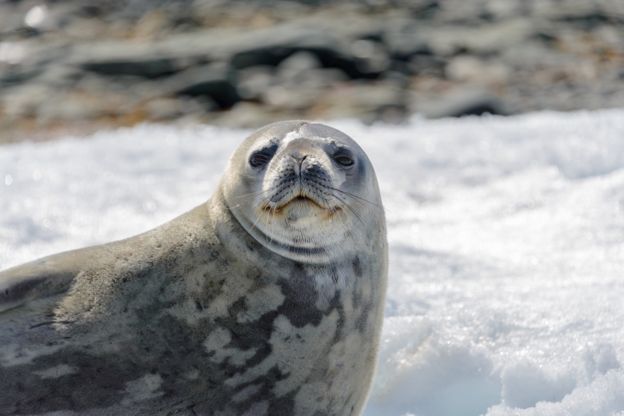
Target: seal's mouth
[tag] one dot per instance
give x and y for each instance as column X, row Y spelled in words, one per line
column 299, row 201
column 302, row 199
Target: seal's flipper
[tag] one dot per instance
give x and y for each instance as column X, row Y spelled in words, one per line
column 42, row 278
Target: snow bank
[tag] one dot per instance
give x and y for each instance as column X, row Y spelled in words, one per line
column 506, row 243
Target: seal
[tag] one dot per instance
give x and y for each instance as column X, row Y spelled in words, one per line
column 265, row 300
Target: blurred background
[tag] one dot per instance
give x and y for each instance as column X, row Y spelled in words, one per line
column 76, row 66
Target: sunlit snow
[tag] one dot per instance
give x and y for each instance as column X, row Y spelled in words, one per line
column 506, row 292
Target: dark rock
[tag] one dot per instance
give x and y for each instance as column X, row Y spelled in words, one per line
column 582, row 14
column 261, row 56
column 271, row 47
column 463, row 102
column 303, row 70
column 355, row 57
column 142, row 67
column 354, row 67
column 327, row 55
column 17, row 75
column 214, row 81
column 476, row 108
column 423, row 9
column 430, row 65
column 507, row 9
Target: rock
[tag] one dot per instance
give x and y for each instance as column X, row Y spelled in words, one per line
column 12, row 54
column 583, row 14
column 298, row 83
column 254, row 82
column 459, row 103
column 60, row 76
column 216, row 82
column 172, row 108
column 248, row 115
column 87, row 29
column 146, row 67
column 427, row 65
column 11, row 17
column 507, row 9
column 283, row 98
column 49, row 17
column 24, row 101
column 272, row 46
column 370, row 57
column 154, row 24
column 534, row 56
column 487, row 39
column 303, row 69
column 87, row 61
column 15, row 75
column 378, row 101
column 356, row 57
column 297, row 65
column 404, row 40
column 470, row 69
column 80, row 107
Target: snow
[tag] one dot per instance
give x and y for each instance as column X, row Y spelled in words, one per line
column 506, row 246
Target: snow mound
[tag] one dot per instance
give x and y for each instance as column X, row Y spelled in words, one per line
column 506, row 246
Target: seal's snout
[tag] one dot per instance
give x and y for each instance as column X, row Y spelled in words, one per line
column 301, row 177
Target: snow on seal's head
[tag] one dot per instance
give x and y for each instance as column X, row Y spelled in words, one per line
column 304, row 190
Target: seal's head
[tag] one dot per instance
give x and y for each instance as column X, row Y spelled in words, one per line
column 303, row 190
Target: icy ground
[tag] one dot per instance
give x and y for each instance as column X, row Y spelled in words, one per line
column 506, row 238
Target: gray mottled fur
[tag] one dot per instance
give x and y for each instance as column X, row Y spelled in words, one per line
column 195, row 317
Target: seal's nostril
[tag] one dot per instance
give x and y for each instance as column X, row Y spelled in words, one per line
column 301, row 161
column 299, row 157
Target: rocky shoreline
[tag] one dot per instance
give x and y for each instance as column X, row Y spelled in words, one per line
column 82, row 65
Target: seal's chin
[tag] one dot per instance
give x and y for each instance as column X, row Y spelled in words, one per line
column 299, row 212
column 299, row 228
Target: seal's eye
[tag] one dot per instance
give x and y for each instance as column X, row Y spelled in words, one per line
column 343, row 157
column 262, row 157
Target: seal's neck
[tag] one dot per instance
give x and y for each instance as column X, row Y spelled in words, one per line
column 241, row 234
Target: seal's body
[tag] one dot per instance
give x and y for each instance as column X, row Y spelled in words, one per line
column 266, row 300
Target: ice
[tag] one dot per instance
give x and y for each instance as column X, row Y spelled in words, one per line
column 506, row 246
